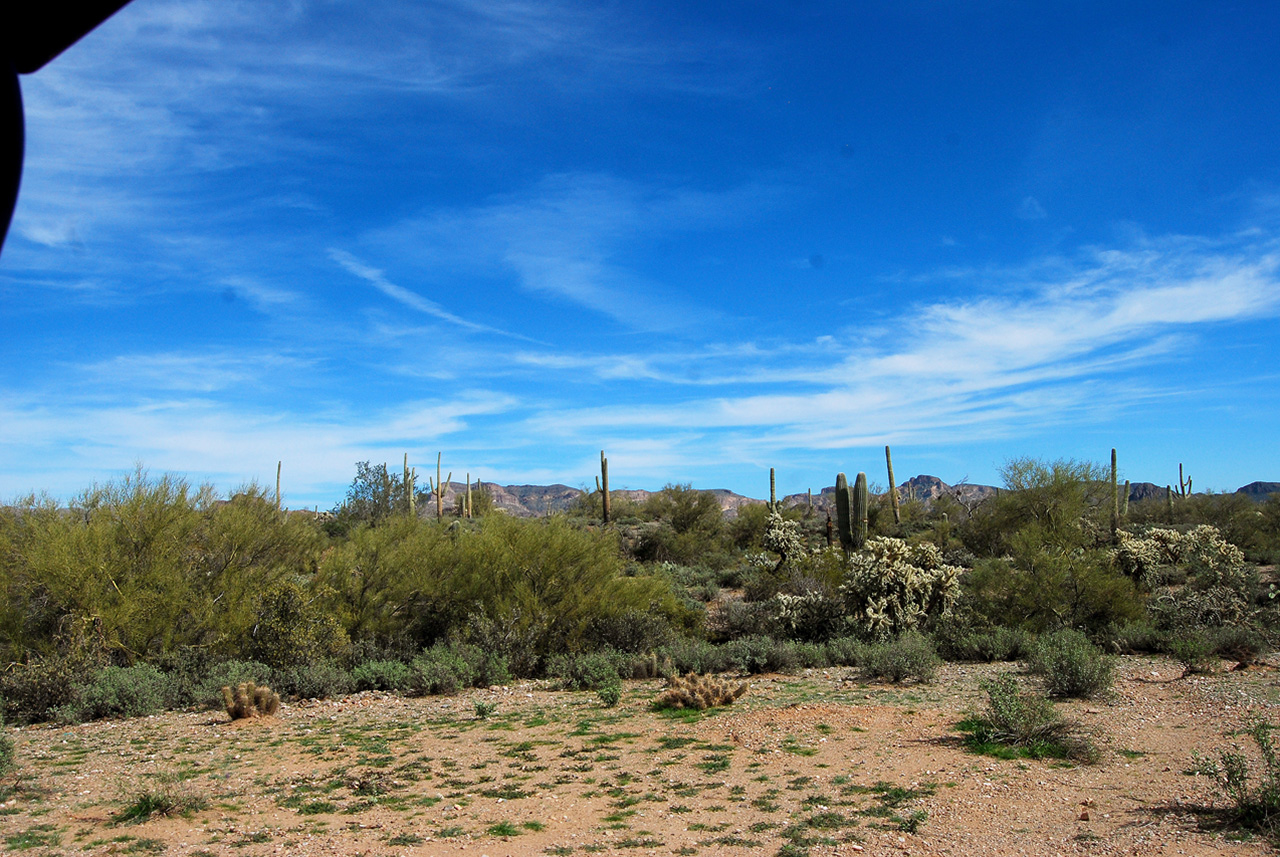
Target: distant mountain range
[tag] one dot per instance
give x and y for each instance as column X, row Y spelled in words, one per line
column 528, row 501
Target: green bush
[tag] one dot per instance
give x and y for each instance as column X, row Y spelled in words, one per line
column 587, row 671
column 846, row 651
column 910, row 656
column 133, row 691
column 441, row 669
column 292, row 629
column 693, row 655
column 320, row 680
column 630, row 630
column 1133, row 637
column 1071, row 666
column 1194, row 650
column 983, row 646
column 610, row 695
column 760, row 654
column 1019, row 723
column 1255, row 806
column 389, row 675
column 7, row 762
column 33, row 690
column 1240, row 643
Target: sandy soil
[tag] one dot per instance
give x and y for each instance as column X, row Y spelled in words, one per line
column 816, row 763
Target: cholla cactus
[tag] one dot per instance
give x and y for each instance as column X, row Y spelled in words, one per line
column 249, row 700
column 783, row 538
column 1202, row 551
column 700, row 692
column 892, row 586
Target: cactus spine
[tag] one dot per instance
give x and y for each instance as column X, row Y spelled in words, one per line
column 893, row 487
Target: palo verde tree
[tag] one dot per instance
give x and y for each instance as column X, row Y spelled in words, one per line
column 1044, row 540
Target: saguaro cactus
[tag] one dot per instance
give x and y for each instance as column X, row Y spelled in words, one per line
column 859, row 504
column 773, row 492
column 893, row 487
column 1124, row 501
column 843, row 527
column 851, row 511
column 1115, row 498
column 438, row 488
column 604, row 487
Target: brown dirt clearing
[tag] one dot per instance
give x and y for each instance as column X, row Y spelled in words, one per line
column 813, row 763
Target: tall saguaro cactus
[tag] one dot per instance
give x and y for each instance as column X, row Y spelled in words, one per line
column 773, row 492
column 1115, row 498
column 604, row 487
column 410, row 477
column 859, row 504
column 851, row 511
column 843, row 525
column 893, row 487
column 438, row 488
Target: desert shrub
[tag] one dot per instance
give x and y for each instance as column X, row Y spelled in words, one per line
column 630, row 630
column 812, row 655
column 33, row 690
column 691, row 654
column 117, row 692
column 1174, row 609
column 1240, row 643
column 989, row 645
column 207, row 693
column 891, row 587
column 293, row 630
column 1134, row 636
column 440, row 670
column 7, row 760
column 699, row 692
column 741, row 619
column 760, row 654
column 1071, row 666
column 320, row 680
column 1194, row 650
column 382, row 675
column 647, row 665
column 1026, row 723
column 610, row 695
column 1256, row 806
column 586, row 671
column 910, row 656
column 846, row 651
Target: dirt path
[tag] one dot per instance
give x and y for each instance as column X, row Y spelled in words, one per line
column 813, row 764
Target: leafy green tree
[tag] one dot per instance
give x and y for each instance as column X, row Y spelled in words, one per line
column 1043, row 538
column 375, row 494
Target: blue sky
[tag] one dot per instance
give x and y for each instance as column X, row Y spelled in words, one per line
column 708, row 238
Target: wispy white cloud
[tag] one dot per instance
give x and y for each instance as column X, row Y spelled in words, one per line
column 564, row 239
column 377, row 278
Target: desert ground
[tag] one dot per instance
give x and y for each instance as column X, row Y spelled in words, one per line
column 819, row 763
